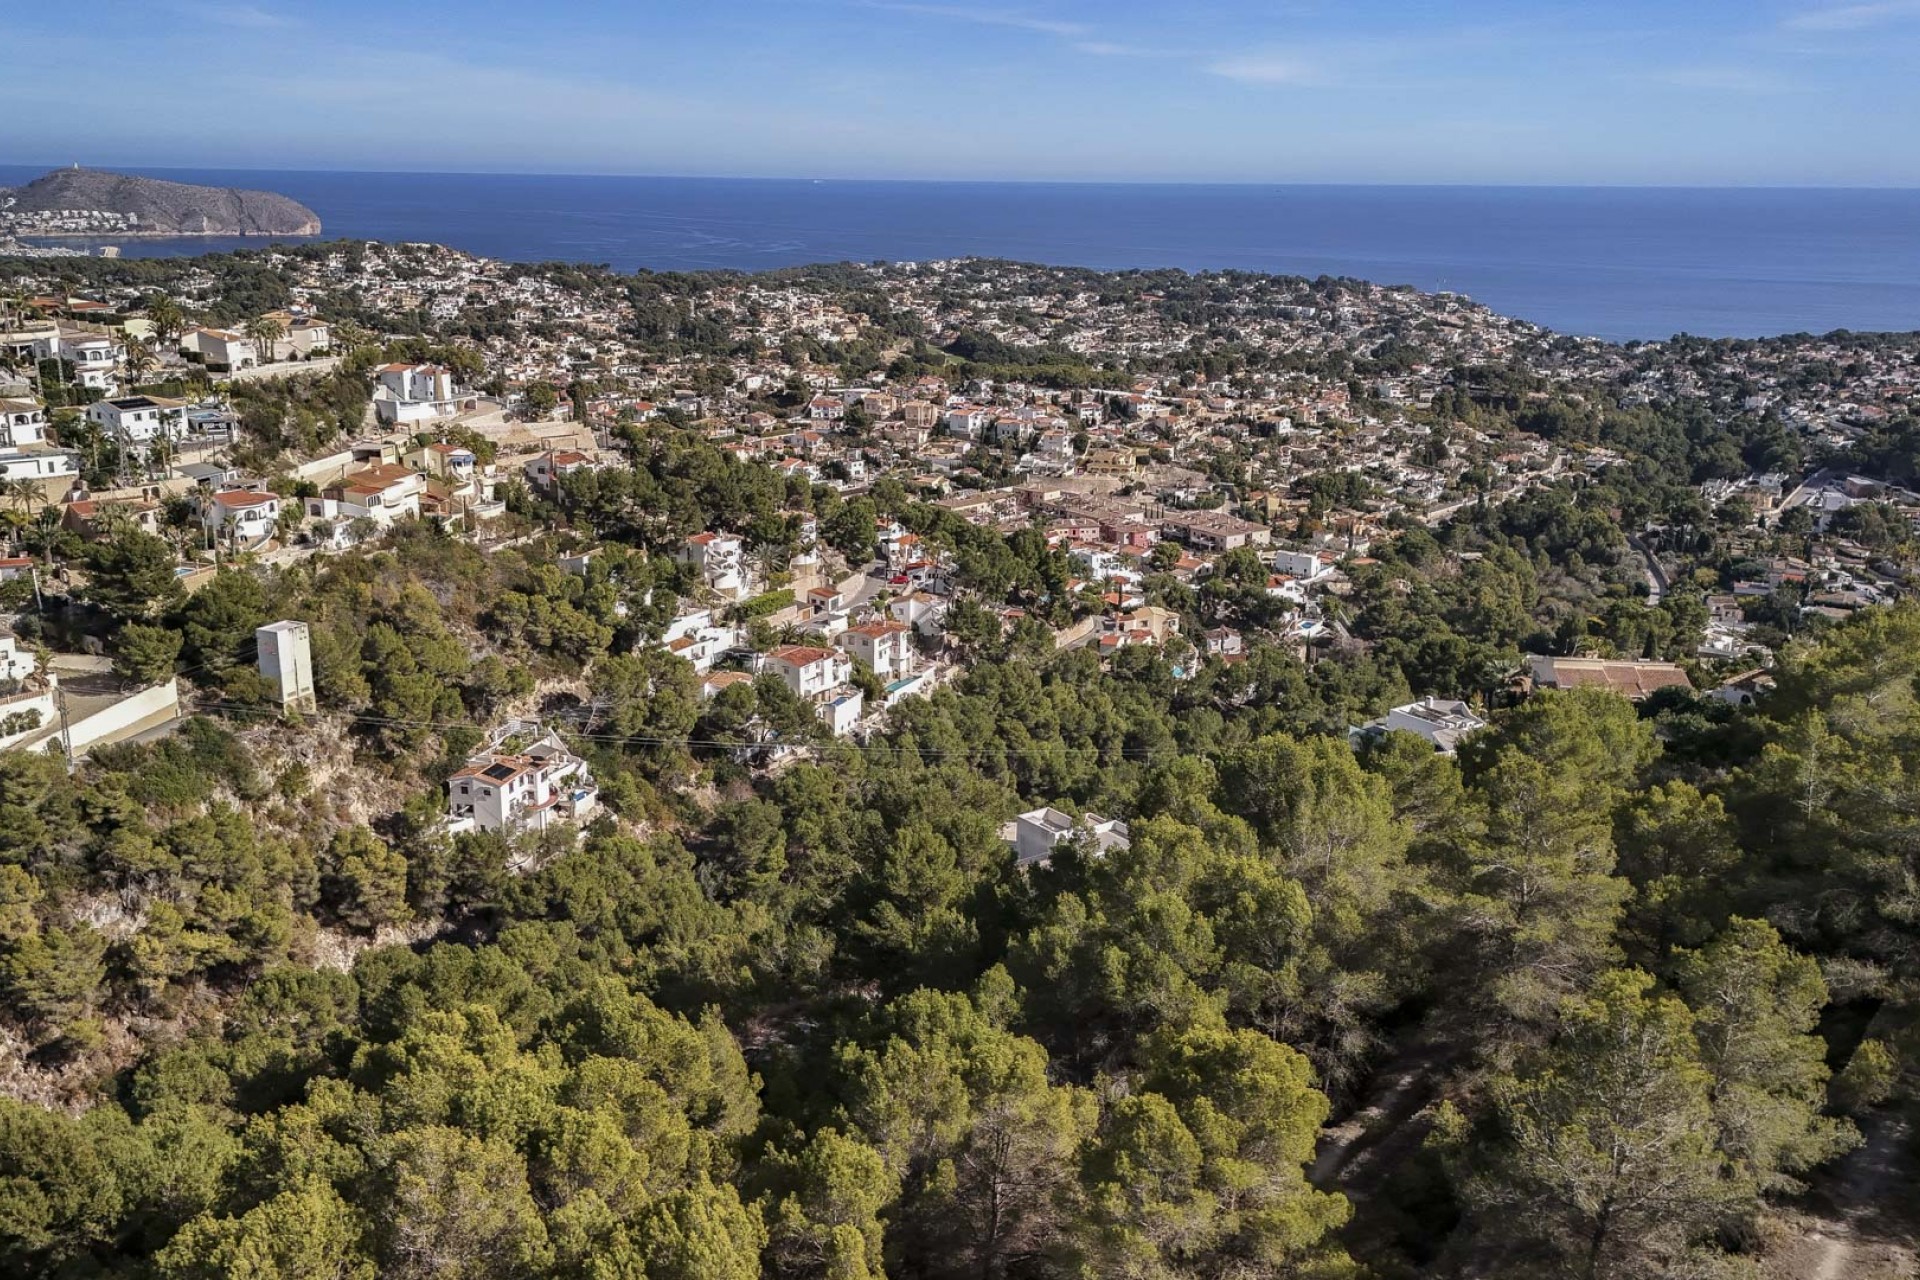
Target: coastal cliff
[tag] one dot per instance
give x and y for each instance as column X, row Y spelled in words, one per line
column 89, row 202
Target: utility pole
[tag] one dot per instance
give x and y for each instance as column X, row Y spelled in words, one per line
column 66, row 729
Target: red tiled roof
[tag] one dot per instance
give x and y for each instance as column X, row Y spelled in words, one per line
column 800, row 655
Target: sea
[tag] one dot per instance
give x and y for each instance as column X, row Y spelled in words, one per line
column 1609, row 262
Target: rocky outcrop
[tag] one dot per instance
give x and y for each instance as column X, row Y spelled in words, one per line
column 149, row 206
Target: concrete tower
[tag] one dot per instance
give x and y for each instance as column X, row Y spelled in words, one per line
column 286, row 660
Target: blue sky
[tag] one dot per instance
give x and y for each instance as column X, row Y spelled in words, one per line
column 1691, row 92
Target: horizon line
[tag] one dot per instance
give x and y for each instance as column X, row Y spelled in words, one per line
column 1029, row 182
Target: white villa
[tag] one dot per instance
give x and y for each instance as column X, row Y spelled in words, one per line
column 1441, row 721
column 246, row 516
column 384, row 494
column 410, row 393
column 1034, row 834
column 139, row 419
column 885, row 647
column 22, row 422
column 526, row 779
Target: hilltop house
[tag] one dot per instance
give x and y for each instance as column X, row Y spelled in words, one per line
column 820, row 676
column 1148, row 625
column 139, row 419
column 220, row 348
column 1307, row 566
column 812, row 673
column 304, row 337
column 84, row 515
column 921, row 610
column 550, row 467
column 525, row 779
column 383, row 494
column 1215, row 530
column 22, row 422
column 453, row 462
column 1632, row 679
column 95, row 359
column 1035, row 834
column 716, row 557
column 694, row 636
column 37, row 464
column 243, row 517
column 28, row 697
column 1442, row 722
column 885, row 647
column 405, row 394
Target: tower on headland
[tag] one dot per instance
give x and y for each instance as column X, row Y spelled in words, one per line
column 286, row 660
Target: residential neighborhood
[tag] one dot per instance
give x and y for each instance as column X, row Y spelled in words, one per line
column 1196, row 507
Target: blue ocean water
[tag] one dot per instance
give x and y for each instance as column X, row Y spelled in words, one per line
column 1617, row 263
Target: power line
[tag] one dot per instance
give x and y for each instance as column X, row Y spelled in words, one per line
column 974, row 753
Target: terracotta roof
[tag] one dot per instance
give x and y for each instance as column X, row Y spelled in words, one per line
column 1631, row 679
column 874, row 630
column 800, row 655
column 244, row 497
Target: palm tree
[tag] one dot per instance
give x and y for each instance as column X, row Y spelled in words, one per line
column 347, row 335
column 45, row 533
column 139, row 361
column 111, row 520
column 1499, row 674
column 263, row 332
column 159, row 455
column 167, row 319
column 22, row 494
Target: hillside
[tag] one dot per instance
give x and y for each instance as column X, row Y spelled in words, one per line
column 149, row 206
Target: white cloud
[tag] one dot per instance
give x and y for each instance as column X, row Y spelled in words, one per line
column 1108, row 49
column 1080, row 37
column 1270, row 68
column 246, row 16
column 985, row 17
column 1855, row 17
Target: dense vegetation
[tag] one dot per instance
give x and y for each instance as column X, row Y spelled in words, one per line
column 813, row 1023
column 1653, row 966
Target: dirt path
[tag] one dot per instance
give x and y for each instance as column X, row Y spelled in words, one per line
column 1356, row 1155
column 1859, row 1221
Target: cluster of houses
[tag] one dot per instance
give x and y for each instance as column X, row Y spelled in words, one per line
column 843, row 625
column 1164, row 473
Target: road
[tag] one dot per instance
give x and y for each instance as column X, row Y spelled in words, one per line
column 1657, row 584
column 1801, row 492
column 870, row 586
